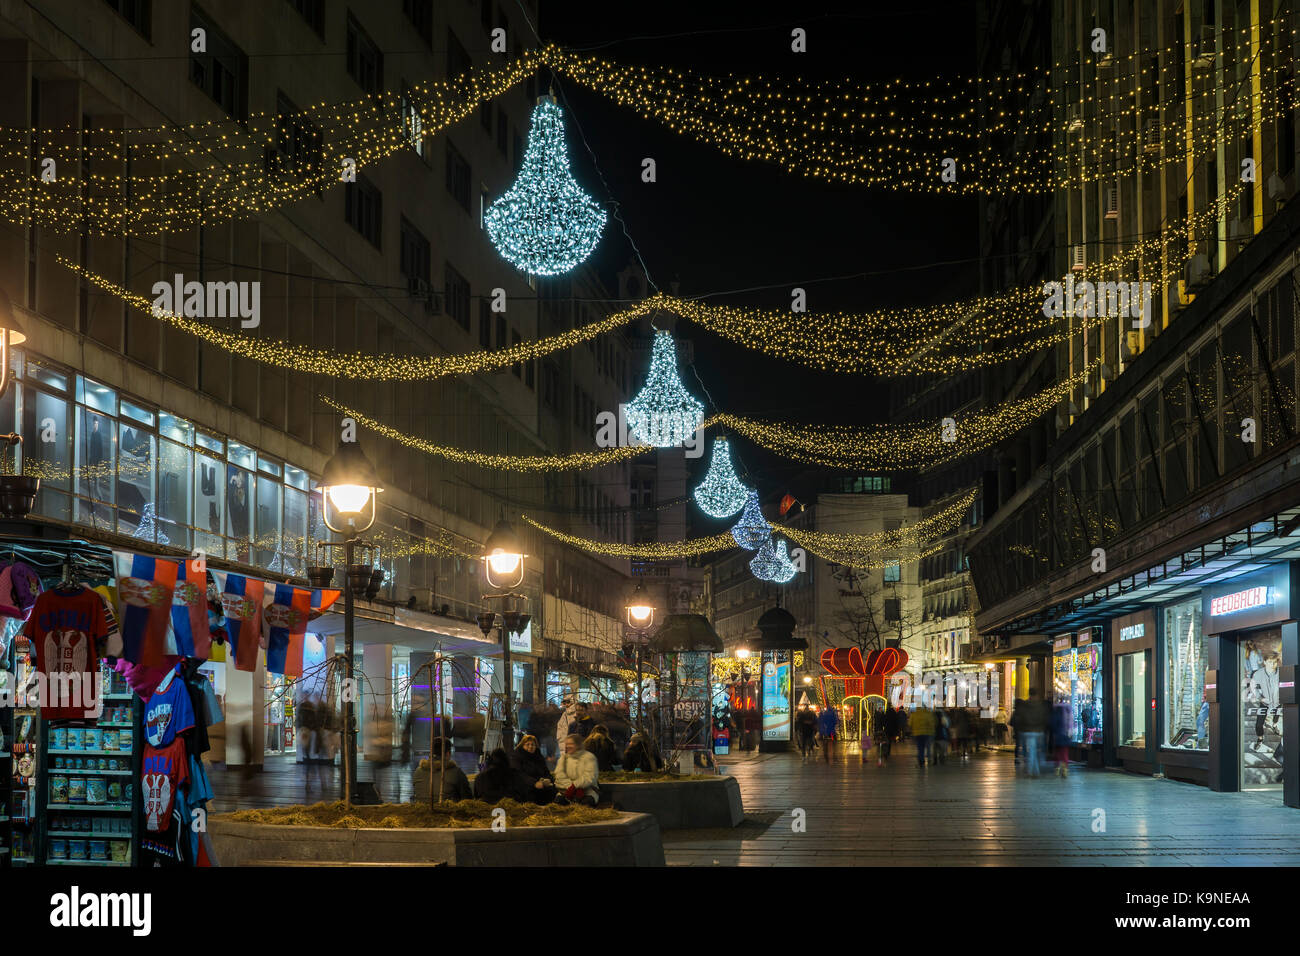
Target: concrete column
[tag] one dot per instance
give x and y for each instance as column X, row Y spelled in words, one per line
column 1225, row 716
column 1022, row 678
column 245, row 715
column 377, row 718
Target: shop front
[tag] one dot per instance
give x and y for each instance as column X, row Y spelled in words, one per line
column 1132, row 709
column 1250, row 646
column 1077, row 682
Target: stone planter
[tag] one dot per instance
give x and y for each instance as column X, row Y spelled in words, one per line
column 632, row 840
column 680, row 804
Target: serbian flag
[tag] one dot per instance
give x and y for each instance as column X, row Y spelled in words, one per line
column 286, row 626
column 241, row 601
column 322, row 600
column 190, row 611
column 787, row 503
column 144, row 592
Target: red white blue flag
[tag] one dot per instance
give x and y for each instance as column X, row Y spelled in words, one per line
column 190, row 611
column 144, row 590
column 286, row 622
column 241, row 602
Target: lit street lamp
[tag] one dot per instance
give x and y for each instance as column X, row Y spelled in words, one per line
column 640, row 618
column 348, row 487
column 503, row 567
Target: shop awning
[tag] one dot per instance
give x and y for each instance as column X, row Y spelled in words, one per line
column 686, row 632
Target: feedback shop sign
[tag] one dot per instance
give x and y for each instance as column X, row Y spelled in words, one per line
column 1239, row 601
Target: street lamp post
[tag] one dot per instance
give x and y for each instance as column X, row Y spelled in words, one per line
column 503, row 567
column 348, row 487
column 640, row 618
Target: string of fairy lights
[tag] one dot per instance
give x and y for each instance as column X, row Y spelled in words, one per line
column 898, row 134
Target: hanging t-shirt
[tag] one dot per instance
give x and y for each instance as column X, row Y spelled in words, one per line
column 65, row 630
column 170, row 711
column 166, row 769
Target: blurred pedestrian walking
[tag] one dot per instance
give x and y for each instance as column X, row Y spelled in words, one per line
column 1034, row 720
column 828, row 722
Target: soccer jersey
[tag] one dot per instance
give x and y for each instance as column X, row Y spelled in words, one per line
column 166, row 769
column 170, row 710
column 64, row 631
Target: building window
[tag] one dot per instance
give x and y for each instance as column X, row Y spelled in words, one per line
column 414, row 256
column 413, row 124
column 420, row 13
column 893, row 573
column 517, row 150
column 297, row 151
column 458, row 176
column 501, row 331
column 551, row 386
column 530, row 374
column 313, row 11
column 363, row 209
column 457, row 296
column 1131, row 701
column 503, row 130
column 458, row 61
column 1187, row 712
column 134, row 12
column 222, row 70
column 484, row 325
column 517, row 369
column 893, row 609
column 364, row 59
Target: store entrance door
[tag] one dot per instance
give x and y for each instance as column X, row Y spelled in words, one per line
column 1262, row 755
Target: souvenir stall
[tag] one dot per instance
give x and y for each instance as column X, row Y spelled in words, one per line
column 102, row 653
column 852, row 682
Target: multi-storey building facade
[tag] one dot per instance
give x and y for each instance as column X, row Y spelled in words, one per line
column 169, row 442
column 1146, row 562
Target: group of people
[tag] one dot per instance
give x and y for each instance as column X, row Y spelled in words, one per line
column 524, row 775
column 1031, row 721
column 936, row 731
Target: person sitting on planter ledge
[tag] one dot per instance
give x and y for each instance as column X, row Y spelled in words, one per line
column 577, row 775
column 498, row 780
column 455, row 785
column 598, row 743
column 640, row 756
column 539, row 784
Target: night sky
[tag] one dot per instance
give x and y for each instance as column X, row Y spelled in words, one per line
column 718, row 225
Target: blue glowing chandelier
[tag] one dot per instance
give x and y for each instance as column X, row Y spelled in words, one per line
column 720, row 494
column 663, row 413
column 545, row 224
column 752, row 530
column 772, row 563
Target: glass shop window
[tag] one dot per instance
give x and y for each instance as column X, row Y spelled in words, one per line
column 296, row 513
column 209, row 503
column 46, row 376
column 239, row 512
column 242, row 456
column 93, row 395
column 175, row 462
column 1132, row 699
column 95, row 457
column 1187, row 713
column 136, row 463
column 136, row 413
column 214, row 445
column 269, row 503
column 47, row 460
column 297, row 478
column 177, row 429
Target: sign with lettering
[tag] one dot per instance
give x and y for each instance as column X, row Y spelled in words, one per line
column 1132, row 632
column 1239, row 601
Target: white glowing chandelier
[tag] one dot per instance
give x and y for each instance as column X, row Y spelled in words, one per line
column 720, row 494
column 663, row 413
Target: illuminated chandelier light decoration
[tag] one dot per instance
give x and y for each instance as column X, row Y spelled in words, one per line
column 772, row 563
column 720, row 494
column 752, row 530
column 545, row 224
column 664, row 414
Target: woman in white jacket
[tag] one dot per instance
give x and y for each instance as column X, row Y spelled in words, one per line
column 577, row 774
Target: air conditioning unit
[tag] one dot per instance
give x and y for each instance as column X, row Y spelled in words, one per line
column 1276, row 186
column 417, row 287
column 1202, row 52
column 1112, row 202
column 1074, row 118
column 1197, row 271
column 1151, row 136
column 1078, row 258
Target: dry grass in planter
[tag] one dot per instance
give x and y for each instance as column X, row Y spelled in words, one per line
column 401, row 816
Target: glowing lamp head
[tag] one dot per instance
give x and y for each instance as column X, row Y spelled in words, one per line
column 349, row 484
column 503, row 557
column 742, row 653
column 640, row 612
